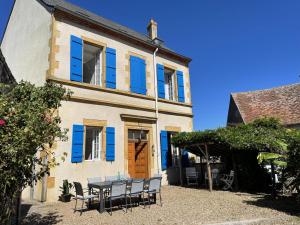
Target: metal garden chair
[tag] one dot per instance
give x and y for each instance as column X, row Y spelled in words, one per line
column 192, row 176
column 94, row 180
column 136, row 190
column 80, row 195
column 227, row 179
column 118, row 191
column 154, row 188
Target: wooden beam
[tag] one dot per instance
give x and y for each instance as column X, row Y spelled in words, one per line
column 208, row 168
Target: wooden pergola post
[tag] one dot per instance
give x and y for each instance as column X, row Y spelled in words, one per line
column 180, row 167
column 208, row 168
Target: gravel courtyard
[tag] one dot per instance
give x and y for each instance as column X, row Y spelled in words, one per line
column 180, row 206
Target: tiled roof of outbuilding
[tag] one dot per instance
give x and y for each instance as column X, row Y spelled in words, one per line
column 281, row 102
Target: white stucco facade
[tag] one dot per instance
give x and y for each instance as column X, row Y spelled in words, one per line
column 25, row 43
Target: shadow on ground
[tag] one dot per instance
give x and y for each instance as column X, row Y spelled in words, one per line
column 283, row 204
column 50, row 218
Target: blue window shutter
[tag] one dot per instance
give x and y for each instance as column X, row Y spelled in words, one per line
column 180, row 85
column 76, row 59
column 137, row 75
column 143, row 83
column 160, row 70
column 110, row 143
column 164, row 149
column 110, row 68
column 77, row 143
column 134, row 74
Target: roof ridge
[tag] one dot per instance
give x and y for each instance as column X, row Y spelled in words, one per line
column 265, row 90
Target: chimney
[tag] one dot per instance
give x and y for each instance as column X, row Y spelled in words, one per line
column 152, row 29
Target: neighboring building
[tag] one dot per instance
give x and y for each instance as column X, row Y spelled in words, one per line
column 5, row 74
column 280, row 102
column 115, row 124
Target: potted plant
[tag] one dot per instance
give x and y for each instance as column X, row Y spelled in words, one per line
column 65, row 191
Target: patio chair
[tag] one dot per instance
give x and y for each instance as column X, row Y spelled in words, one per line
column 153, row 188
column 111, row 178
column 80, row 195
column 215, row 175
column 136, row 190
column 227, row 179
column 118, row 191
column 94, row 180
column 192, row 176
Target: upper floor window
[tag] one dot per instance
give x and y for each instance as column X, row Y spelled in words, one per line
column 138, row 75
column 87, row 63
column 169, row 84
column 166, row 80
column 93, row 142
column 92, row 64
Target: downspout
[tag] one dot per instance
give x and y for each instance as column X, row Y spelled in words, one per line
column 156, row 109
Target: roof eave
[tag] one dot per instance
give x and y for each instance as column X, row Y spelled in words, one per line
column 163, row 50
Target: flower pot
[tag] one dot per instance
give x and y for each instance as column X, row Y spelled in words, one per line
column 65, row 198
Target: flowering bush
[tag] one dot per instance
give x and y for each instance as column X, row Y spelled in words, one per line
column 2, row 123
column 29, row 126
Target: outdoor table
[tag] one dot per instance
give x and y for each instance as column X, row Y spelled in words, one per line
column 101, row 186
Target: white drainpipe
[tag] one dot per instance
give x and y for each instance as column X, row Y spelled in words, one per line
column 156, row 109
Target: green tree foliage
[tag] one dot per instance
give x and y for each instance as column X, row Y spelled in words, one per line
column 293, row 161
column 267, row 136
column 29, row 126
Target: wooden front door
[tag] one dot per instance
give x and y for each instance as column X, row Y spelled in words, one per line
column 138, row 159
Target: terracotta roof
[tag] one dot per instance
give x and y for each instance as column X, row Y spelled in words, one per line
column 281, row 102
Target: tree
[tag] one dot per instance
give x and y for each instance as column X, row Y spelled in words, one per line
column 293, row 159
column 266, row 136
column 29, row 126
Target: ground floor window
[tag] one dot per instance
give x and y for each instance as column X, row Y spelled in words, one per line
column 93, row 143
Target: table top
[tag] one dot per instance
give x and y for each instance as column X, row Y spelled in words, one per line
column 102, row 184
column 107, row 184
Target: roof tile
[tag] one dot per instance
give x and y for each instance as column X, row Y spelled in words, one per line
column 281, row 102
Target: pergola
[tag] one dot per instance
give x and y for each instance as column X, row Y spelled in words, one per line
column 204, row 149
column 262, row 135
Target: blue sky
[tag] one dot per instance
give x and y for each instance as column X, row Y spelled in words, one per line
column 235, row 45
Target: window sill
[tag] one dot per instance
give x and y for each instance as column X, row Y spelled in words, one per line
column 115, row 91
column 92, row 160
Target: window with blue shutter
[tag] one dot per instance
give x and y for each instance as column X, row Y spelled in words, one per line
column 160, row 80
column 110, row 68
column 164, row 149
column 110, row 143
column 76, row 59
column 138, row 75
column 77, row 143
column 180, row 85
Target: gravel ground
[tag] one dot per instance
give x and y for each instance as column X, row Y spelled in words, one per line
column 180, row 206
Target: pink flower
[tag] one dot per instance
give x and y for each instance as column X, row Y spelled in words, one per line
column 2, row 122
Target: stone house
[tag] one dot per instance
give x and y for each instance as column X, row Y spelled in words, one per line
column 130, row 92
